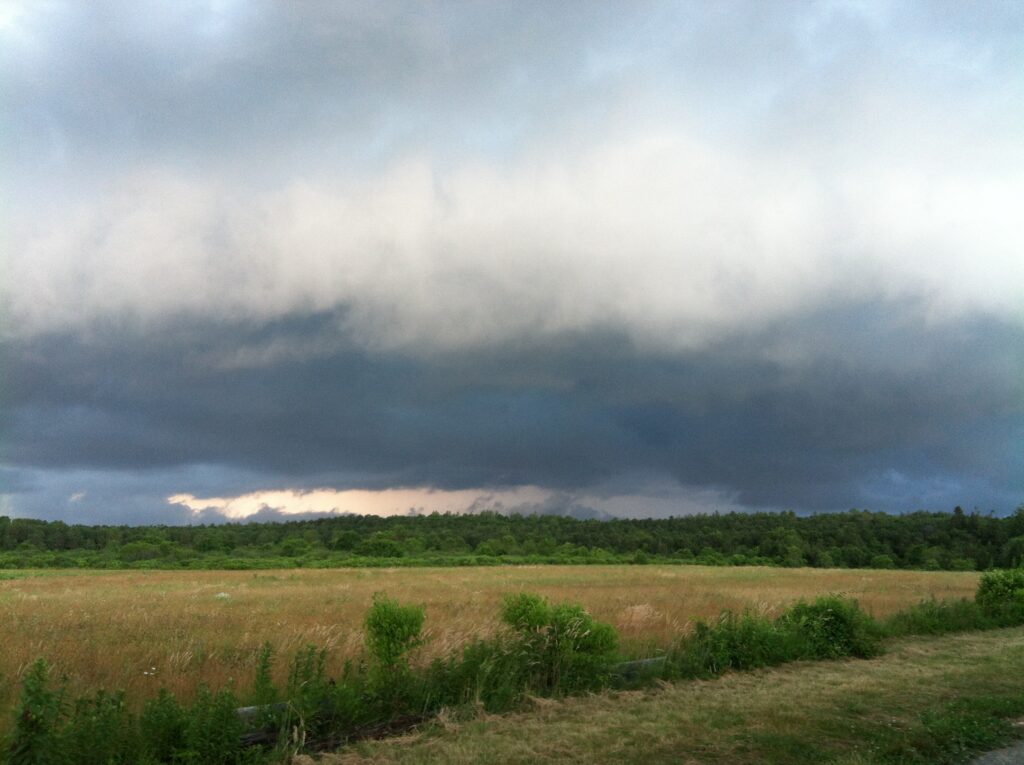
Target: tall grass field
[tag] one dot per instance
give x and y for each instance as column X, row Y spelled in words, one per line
column 141, row 631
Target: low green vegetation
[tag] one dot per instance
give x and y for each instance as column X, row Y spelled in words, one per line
column 828, row 628
column 928, row 700
column 856, row 539
column 544, row 649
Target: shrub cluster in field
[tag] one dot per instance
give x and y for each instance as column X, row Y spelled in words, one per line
column 999, row 602
column 829, row 628
column 545, row 649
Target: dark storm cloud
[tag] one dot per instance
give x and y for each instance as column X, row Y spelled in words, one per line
column 873, row 410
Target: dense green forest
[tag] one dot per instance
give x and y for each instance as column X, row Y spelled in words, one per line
column 854, row 539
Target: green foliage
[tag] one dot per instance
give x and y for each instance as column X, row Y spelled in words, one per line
column 962, row 729
column 829, row 628
column 931, row 541
column 264, row 693
column 101, row 731
column 832, row 627
column 738, row 642
column 1001, row 589
column 380, row 547
column 995, row 605
column 162, row 727
column 563, row 647
column 932, row 617
column 488, row 673
column 525, row 612
column 36, row 738
column 307, row 687
column 547, row 650
column 392, row 630
column 263, row 690
column 954, row 731
column 213, row 730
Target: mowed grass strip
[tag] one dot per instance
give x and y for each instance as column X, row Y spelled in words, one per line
column 139, row 631
column 899, row 708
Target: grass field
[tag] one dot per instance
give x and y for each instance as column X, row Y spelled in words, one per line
column 926, row 701
column 139, row 631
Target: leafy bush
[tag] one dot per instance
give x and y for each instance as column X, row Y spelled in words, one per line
column 392, row 630
column 213, row 730
column 547, row 650
column 1001, row 589
column 488, row 673
column 732, row 642
column 832, row 627
column 101, row 731
column 828, row 628
column 564, row 649
column 525, row 612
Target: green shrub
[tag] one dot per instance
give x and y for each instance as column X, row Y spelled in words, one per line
column 1001, row 589
column 828, row 628
column 489, row 673
column 832, row 627
column 162, row 727
column 306, row 691
column 264, row 694
column 525, row 612
column 562, row 648
column 732, row 642
column 213, row 731
column 36, row 737
column 100, row 731
column 739, row 642
column 392, row 630
column 547, row 650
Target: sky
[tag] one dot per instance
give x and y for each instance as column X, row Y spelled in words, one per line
column 262, row 260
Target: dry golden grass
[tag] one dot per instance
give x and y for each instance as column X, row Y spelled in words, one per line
column 143, row 630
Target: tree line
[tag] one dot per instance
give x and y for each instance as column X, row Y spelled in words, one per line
column 854, row 539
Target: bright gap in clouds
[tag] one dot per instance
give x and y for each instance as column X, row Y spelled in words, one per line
column 660, row 499
column 357, row 501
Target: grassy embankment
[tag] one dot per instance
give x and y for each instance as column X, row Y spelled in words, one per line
column 927, row 701
column 140, row 631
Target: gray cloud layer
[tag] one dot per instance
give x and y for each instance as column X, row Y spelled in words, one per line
column 768, row 251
